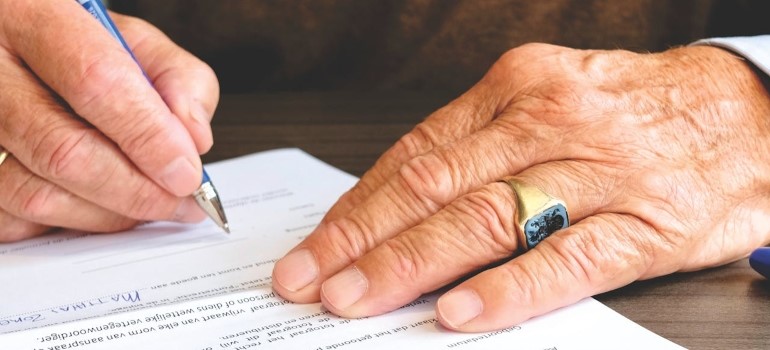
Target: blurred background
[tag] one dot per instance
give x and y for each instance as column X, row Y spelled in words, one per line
column 375, row 45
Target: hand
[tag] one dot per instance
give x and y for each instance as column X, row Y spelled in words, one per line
column 662, row 160
column 94, row 145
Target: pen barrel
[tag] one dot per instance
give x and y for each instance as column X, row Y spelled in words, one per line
column 97, row 9
column 205, row 177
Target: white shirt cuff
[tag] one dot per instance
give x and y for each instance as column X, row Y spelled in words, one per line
column 754, row 48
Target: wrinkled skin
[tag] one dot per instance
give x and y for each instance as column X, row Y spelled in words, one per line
column 95, row 146
column 662, row 159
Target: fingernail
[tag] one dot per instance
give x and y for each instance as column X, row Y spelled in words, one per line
column 296, row 270
column 189, row 211
column 459, row 307
column 179, row 175
column 345, row 288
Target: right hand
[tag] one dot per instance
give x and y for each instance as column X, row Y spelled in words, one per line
column 95, row 146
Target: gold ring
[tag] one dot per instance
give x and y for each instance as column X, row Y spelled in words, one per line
column 3, row 155
column 539, row 214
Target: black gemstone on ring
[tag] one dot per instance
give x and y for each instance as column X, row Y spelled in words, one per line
column 544, row 224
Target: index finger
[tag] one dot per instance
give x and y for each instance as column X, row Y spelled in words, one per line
column 75, row 56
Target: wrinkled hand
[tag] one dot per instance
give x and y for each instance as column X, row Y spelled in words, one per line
column 95, row 146
column 662, row 159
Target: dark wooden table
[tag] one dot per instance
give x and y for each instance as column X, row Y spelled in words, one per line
column 721, row 308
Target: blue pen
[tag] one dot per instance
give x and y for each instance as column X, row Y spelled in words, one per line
column 206, row 195
column 760, row 261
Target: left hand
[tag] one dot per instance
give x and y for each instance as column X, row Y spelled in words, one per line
column 662, row 160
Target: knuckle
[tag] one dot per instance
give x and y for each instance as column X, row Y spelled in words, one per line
column 207, row 74
column 576, row 256
column 527, row 53
column 98, row 78
column 599, row 63
column 491, row 219
column 143, row 139
column 595, row 61
column 416, row 142
column 346, row 240
column 405, row 262
column 523, row 285
column 428, row 178
column 599, row 251
column 34, row 203
column 65, row 157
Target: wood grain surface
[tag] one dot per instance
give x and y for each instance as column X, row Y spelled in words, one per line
column 721, row 308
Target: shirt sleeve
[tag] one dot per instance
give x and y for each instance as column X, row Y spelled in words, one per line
column 754, row 48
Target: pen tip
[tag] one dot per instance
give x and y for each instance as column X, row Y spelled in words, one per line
column 226, row 226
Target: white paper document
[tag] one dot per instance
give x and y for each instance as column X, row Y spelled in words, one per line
column 177, row 286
